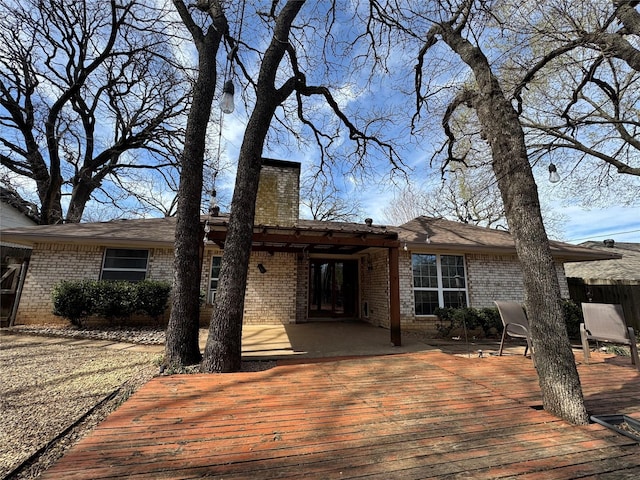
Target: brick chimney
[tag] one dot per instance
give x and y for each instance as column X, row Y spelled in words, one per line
column 278, row 197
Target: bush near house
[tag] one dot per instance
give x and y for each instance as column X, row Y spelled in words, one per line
column 572, row 318
column 115, row 300
column 487, row 320
column 76, row 300
column 152, row 297
column 482, row 322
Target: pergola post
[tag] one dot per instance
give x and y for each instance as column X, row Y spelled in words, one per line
column 394, row 297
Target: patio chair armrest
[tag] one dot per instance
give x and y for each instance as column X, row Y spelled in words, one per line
column 635, row 357
column 584, row 338
column 519, row 329
column 516, row 324
column 585, row 331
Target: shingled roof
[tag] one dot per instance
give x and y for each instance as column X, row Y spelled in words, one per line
column 147, row 231
column 440, row 235
column 625, row 268
column 11, row 197
column 160, row 232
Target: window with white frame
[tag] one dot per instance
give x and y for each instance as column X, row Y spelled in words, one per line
column 438, row 281
column 215, row 275
column 124, row 264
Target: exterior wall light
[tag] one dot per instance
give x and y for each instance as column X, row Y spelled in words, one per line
column 261, row 268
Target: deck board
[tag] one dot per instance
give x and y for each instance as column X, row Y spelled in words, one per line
column 418, row 415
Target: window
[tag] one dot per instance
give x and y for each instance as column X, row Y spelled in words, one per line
column 125, row 264
column 215, row 275
column 438, row 281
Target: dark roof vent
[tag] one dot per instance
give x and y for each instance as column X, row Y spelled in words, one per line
column 368, row 221
column 609, row 243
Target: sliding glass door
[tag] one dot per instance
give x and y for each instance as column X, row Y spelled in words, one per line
column 333, row 288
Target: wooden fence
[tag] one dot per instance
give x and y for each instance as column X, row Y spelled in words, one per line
column 623, row 292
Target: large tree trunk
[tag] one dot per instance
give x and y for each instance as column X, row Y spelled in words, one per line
column 80, row 196
column 558, row 376
column 223, row 352
column 49, row 191
column 181, row 346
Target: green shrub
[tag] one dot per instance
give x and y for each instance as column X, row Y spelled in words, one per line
column 115, row 299
column 152, row 297
column 77, row 300
column 572, row 318
column 450, row 319
column 74, row 300
column 490, row 320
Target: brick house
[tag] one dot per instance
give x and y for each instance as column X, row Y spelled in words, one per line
column 300, row 270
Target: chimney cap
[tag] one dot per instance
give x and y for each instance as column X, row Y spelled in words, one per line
column 609, row 242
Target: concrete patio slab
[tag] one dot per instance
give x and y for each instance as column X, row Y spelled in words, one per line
column 311, row 340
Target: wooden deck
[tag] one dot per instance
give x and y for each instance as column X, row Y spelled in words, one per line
column 408, row 416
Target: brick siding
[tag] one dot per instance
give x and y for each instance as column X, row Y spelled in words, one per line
column 302, row 289
column 500, row 278
column 270, row 297
column 51, row 263
column 489, row 278
column 374, row 287
column 281, row 294
column 278, row 199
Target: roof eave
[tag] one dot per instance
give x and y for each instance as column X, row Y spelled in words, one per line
column 557, row 253
column 31, row 240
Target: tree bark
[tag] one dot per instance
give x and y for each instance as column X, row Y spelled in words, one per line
column 223, row 352
column 181, row 347
column 558, row 376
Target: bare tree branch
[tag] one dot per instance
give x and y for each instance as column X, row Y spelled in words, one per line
column 96, row 80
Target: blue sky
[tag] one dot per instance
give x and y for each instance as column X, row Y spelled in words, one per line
column 619, row 223
column 389, row 92
column 622, row 223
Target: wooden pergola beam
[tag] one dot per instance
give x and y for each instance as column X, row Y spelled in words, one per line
column 335, row 240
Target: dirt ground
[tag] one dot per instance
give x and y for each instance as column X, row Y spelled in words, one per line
column 52, row 394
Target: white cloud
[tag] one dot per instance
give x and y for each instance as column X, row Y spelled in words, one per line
column 620, row 223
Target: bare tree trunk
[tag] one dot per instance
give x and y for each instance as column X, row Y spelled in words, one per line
column 181, row 347
column 558, row 376
column 223, row 352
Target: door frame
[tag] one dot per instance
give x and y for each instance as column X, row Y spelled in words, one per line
column 353, row 292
